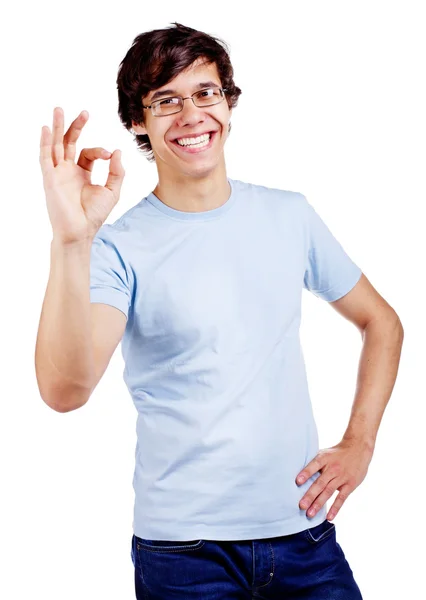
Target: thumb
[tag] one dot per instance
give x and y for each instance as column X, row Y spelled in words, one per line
column 116, row 174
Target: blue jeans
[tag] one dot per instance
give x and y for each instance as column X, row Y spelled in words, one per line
column 309, row 564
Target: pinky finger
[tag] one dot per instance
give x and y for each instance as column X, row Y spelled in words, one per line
column 337, row 505
column 46, row 161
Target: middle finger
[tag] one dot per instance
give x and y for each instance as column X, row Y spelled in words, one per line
column 315, row 489
column 320, row 500
column 73, row 133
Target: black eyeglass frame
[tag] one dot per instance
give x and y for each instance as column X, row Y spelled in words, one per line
column 222, row 90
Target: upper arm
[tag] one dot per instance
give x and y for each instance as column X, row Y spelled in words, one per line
column 332, row 275
column 329, row 271
column 363, row 304
column 110, row 295
column 108, row 325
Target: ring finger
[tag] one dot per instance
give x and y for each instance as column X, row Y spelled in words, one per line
column 320, row 500
column 58, row 136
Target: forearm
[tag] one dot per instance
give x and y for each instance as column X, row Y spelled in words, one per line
column 64, row 348
column 377, row 371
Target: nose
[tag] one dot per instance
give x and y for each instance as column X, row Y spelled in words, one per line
column 190, row 114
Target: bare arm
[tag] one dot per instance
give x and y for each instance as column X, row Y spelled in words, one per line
column 383, row 336
column 64, row 357
column 67, row 352
column 76, row 338
column 377, row 371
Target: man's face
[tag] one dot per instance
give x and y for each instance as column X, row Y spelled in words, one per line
column 191, row 121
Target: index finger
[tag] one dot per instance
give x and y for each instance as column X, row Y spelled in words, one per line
column 72, row 135
column 309, row 470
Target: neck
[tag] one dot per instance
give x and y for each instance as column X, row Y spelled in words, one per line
column 191, row 194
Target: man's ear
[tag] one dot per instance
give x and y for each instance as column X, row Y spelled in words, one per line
column 139, row 129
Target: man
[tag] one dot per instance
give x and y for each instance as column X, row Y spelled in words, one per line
column 202, row 281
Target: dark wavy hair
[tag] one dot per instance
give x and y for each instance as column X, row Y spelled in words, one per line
column 158, row 56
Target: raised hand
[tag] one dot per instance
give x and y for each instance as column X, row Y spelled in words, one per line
column 76, row 207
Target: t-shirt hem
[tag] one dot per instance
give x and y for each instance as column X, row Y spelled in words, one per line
column 226, row 533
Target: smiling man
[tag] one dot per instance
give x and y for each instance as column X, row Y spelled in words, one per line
column 187, row 126
column 202, row 281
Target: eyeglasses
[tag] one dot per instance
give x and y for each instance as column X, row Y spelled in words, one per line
column 169, row 106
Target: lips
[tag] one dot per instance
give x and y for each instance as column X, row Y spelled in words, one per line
column 192, row 135
column 194, row 150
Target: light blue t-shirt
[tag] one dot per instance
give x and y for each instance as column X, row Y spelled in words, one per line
column 213, row 360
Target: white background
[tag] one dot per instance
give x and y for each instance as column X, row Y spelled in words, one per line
column 333, row 106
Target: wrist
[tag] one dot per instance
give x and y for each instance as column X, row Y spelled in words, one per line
column 365, row 441
column 75, row 246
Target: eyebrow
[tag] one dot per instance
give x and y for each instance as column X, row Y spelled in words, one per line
column 199, row 86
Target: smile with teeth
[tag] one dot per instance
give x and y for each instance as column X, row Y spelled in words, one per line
column 197, row 142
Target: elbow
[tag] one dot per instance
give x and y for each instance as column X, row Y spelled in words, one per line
column 66, row 401
column 399, row 326
column 60, row 408
column 389, row 323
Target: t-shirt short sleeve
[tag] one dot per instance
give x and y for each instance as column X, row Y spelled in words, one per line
column 109, row 278
column 330, row 273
